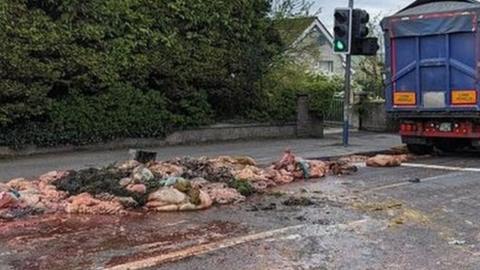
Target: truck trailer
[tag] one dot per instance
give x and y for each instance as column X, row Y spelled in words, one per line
column 432, row 60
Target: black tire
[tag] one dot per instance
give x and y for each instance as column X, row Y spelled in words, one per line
column 420, row 149
column 452, row 145
column 446, row 148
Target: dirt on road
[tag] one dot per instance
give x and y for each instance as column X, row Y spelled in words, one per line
column 375, row 219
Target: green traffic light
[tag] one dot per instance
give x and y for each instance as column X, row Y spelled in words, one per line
column 339, row 45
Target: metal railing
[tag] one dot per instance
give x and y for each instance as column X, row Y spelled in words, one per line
column 335, row 111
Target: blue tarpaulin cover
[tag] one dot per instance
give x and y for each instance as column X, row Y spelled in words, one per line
column 433, row 26
column 416, row 19
column 431, row 50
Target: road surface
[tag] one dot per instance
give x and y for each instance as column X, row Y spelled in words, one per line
column 377, row 218
column 264, row 151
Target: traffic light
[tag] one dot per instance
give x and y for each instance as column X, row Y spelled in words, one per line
column 361, row 44
column 360, row 19
column 366, row 46
column 342, row 30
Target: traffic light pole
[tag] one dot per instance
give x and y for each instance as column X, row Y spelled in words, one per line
column 346, row 102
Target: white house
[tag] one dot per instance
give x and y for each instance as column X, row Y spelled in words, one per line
column 310, row 42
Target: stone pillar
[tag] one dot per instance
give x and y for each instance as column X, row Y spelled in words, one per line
column 303, row 121
column 309, row 125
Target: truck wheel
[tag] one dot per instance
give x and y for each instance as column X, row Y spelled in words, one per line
column 449, row 146
column 420, row 149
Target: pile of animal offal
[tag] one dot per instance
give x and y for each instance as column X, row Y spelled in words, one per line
column 182, row 184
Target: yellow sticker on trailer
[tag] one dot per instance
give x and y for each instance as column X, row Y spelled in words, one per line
column 464, row 97
column 405, row 98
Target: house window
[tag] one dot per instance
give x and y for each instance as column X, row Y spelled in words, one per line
column 326, row 66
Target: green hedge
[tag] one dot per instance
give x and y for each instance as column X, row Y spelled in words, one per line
column 83, row 71
column 284, row 82
column 121, row 112
column 88, row 71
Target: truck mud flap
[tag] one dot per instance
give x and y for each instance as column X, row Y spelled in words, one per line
column 416, row 140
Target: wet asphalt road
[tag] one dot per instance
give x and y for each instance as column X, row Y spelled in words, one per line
column 374, row 219
column 264, row 151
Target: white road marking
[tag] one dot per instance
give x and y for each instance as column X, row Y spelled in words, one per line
column 285, row 238
column 406, row 183
column 428, row 166
column 439, row 167
column 200, row 249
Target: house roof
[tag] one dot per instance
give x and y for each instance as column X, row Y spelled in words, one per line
column 294, row 30
column 290, row 29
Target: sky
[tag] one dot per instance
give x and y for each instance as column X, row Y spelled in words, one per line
column 374, row 7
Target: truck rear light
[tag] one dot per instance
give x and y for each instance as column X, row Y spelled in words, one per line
column 408, row 127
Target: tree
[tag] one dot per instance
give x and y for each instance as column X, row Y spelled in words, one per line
column 197, row 59
column 293, row 8
column 369, row 70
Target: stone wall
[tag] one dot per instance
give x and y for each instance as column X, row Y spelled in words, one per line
column 215, row 133
column 373, row 117
column 307, row 125
column 228, row 132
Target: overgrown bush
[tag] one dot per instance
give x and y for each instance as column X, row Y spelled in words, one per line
column 321, row 89
column 121, row 112
column 284, row 82
column 82, row 71
column 88, row 71
column 369, row 70
column 369, row 76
